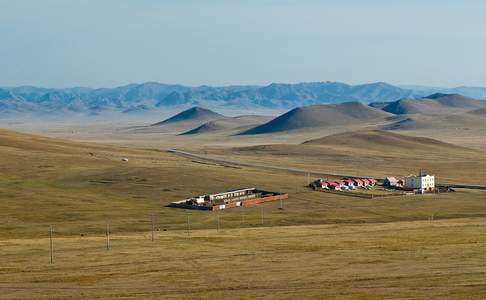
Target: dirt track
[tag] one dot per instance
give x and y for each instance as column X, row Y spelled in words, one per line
column 296, row 171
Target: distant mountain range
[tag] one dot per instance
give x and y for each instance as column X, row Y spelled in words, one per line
column 139, row 98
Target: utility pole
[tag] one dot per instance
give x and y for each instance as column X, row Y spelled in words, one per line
column 51, row 246
column 219, row 224
column 108, row 247
column 188, row 225
column 242, row 215
column 262, row 213
column 153, row 227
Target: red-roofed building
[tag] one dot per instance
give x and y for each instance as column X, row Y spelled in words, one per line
column 324, row 184
column 334, row 185
column 349, row 182
column 358, row 182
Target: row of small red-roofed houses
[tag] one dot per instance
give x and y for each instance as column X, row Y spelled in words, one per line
column 344, row 184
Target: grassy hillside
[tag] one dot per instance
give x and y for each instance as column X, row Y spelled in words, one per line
column 437, row 104
column 228, row 123
column 379, row 140
column 81, row 187
column 193, row 114
column 403, row 260
column 321, row 116
column 319, row 245
column 372, row 153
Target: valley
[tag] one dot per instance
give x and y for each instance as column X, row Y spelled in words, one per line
column 82, row 178
column 242, row 150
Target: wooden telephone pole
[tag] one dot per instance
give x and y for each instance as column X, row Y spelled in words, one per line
column 108, row 246
column 219, row 221
column 153, row 227
column 51, row 246
column 262, row 213
column 188, row 225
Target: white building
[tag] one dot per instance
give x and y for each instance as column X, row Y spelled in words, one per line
column 424, row 183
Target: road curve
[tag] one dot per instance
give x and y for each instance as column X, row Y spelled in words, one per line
column 298, row 171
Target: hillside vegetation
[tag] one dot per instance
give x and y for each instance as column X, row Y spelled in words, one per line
column 267, row 251
column 437, row 104
column 228, row 123
column 321, row 116
column 380, row 140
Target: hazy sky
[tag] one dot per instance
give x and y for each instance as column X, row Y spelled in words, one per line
column 59, row 43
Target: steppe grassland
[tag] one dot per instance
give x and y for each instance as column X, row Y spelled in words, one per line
column 369, row 249
column 409, row 260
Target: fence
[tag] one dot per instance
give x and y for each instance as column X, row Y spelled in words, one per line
column 362, row 195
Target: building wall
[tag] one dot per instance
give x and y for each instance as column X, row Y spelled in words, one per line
column 428, row 182
column 425, row 183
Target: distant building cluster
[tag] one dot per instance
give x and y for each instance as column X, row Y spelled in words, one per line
column 229, row 199
column 344, row 183
column 422, row 183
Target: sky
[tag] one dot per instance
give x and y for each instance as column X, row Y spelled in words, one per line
column 65, row 43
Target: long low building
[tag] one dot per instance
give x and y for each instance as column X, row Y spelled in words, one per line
column 344, row 184
column 229, row 199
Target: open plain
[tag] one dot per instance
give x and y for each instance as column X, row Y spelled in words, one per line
column 244, row 149
column 313, row 245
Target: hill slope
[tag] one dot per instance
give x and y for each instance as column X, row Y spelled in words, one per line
column 412, row 123
column 436, row 104
column 457, row 100
column 321, row 116
column 383, row 141
column 193, row 114
column 228, row 124
column 480, row 112
column 16, row 143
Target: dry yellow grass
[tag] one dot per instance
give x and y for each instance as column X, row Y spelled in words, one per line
column 370, row 153
column 406, row 260
column 320, row 246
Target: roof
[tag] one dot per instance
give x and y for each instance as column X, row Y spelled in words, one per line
column 233, row 191
column 419, row 176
